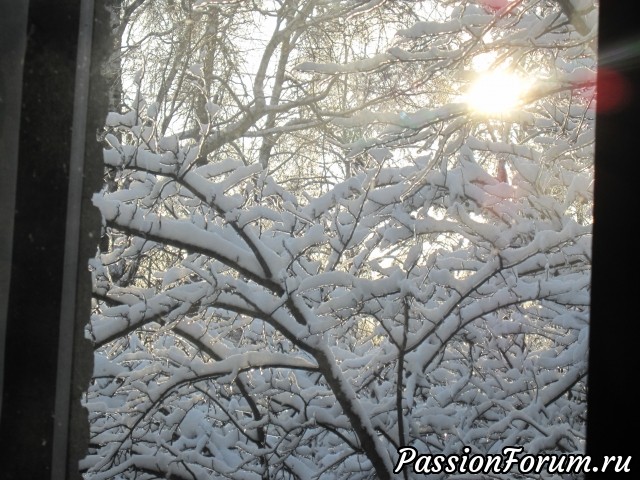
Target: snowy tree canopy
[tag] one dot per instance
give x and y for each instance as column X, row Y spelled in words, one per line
column 322, row 248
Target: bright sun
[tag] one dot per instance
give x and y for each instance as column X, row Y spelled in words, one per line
column 496, row 92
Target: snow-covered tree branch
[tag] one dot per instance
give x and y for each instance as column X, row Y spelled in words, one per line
column 327, row 240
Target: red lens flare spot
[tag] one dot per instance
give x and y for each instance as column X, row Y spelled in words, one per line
column 493, row 5
column 613, row 90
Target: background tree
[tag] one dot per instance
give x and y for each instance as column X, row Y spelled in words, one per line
column 324, row 245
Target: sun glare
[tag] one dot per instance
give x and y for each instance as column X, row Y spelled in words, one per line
column 496, row 92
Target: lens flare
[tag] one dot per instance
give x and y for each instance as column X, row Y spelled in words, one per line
column 496, row 92
column 614, row 90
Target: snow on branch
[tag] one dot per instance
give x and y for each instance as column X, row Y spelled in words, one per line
column 345, row 254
